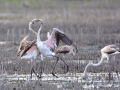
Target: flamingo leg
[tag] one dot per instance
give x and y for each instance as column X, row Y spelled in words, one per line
column 33, row 71
column 65, row 64
column 32, row 68
column 40, row 73
column 56, row 63
column 109, row 69
column 41, row 66
column 54, row 66
column 116, row 68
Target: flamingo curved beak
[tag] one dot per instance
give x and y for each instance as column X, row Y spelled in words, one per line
column 40, row 21
column 37, row 20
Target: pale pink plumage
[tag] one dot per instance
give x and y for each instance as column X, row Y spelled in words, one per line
column 31, row 49
column 46, row 48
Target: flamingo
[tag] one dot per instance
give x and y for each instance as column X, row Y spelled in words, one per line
column 107, row 51
column 35, row 33
column 68, row 49
column 46, row 48
column 28, row 50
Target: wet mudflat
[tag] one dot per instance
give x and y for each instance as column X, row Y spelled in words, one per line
column 95, row 24
column 65, row 81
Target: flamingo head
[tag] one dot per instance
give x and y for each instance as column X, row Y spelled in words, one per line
column 36, row 20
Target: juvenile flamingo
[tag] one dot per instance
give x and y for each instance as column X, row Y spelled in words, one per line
column 67, row 49
column 28, row 50
column 106, row 52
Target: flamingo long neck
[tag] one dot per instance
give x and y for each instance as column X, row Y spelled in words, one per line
column 38, row 34
column 92, row 64
column 32, row 29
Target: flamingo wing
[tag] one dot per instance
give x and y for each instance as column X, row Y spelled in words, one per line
column 29, row 48
column 31, row 53
column 63, row 37
column 55, row 38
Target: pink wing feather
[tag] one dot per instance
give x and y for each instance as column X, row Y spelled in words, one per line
column 31, row 49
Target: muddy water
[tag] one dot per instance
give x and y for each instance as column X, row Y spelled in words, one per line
column 65, row 81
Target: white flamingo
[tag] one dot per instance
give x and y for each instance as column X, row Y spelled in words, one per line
column 106, row 52
column 46, row 48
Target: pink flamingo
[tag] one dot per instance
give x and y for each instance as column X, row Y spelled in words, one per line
column 46, row 48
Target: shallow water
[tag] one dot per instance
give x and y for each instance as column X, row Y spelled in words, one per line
column 97, row 80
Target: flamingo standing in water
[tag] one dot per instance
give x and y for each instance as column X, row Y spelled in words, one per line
column 106, row 52
column 46, row 48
